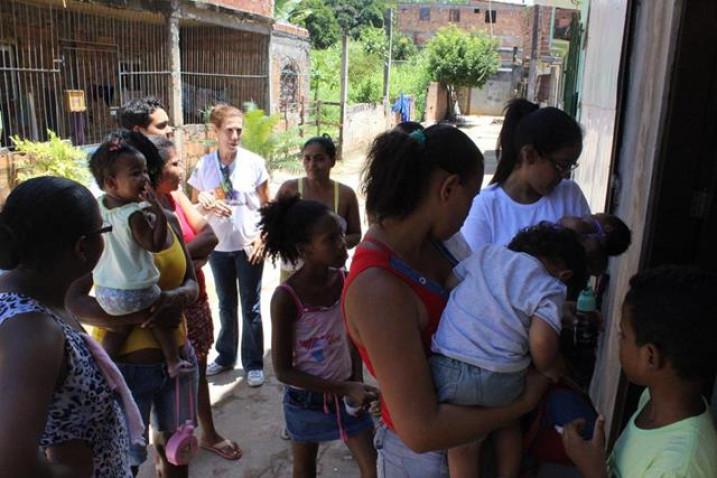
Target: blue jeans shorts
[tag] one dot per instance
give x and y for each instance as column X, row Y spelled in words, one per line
column 396, row 460
column 461, row 383
column 155, row 394
column 312, row 417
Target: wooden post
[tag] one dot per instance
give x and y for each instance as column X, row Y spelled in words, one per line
column 318, row 117
column 176, row 114
column 344, row 91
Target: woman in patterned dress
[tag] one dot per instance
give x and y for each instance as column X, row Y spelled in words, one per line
column 54, row 396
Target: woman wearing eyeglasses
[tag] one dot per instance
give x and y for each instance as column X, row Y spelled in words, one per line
column 537, row 149
column 55, row 394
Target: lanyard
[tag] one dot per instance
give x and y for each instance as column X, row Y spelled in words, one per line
column 226, row 181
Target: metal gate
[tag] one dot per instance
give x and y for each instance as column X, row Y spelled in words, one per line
column 94, row 69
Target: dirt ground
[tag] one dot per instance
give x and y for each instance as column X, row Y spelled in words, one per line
column 253, row 416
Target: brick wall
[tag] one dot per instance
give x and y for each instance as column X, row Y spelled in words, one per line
column 513, row 25
column 509, row 26
column 260, row 7
column 289, row 48
column 436, row 103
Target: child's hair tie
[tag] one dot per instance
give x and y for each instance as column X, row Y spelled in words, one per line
column 419, row 136
column 114, row 145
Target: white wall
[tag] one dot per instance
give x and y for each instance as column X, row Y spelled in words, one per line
column 650, row 62
column 598, row 96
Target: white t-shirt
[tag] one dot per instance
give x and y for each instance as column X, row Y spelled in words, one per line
column 495, row 218
column 124, row 264
column 488, row 314
column 247, row 173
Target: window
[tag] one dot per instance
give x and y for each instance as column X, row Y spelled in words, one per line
column 476, row 10
column 454, row 15
column 424, row 14
column 289, row 84
column 490, row 16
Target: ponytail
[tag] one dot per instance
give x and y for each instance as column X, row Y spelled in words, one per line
column 525, row 123
column 399, row 167
column 507, row 153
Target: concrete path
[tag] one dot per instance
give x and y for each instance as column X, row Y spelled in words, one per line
column 253, row 416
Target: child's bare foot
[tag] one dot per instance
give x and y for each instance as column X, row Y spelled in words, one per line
column 179, row 367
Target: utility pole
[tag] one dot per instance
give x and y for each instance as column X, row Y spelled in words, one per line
column 388, row 20
column 535, row 47
column 344, row 90
column 175, row 76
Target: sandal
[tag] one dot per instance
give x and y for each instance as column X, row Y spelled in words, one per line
column 227, row 449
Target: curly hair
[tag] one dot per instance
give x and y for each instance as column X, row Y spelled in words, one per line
column 674, row 308
column 137, row 112
column 286, row 223
column 124, row 143
column 555, row 242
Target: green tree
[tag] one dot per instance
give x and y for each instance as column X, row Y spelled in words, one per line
column 324, row 29
column 354, row 15
column 459, row 58
column 403, row 47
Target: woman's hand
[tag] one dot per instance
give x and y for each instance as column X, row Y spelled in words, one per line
column 210, row 203
column 257, row 251
column 167, row 311
column 360, row 393
column 536, row 384
column 588, row 455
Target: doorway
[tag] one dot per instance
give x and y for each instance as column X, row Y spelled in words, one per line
column 682, row 220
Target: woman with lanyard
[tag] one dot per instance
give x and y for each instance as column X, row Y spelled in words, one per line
column 230, row 185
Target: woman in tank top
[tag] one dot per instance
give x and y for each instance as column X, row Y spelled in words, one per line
column 418, row 189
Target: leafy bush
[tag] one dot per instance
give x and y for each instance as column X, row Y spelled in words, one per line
column 403, row 47
column 459, row 58
column 56, row 157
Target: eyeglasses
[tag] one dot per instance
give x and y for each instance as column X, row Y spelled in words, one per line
column 562, row 168
column 106, row 228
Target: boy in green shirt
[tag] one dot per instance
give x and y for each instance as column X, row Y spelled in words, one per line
column 667, row 343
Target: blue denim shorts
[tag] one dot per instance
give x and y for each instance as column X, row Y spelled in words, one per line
column 155, row 394
column 396, row 460
column 461, row 383
column 312, row 419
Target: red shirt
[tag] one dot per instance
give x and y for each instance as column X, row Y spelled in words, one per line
column 433, row 296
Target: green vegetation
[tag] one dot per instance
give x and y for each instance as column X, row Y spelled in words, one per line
column 459, row 58
column 454, row 57
column 56, row 157
column 260, row 136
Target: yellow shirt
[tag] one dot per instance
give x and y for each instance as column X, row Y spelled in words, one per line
column 685, row 449
column 172, row 265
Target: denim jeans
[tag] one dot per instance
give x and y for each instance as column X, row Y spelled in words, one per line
column 155, row 395
column 396, row 460
column 230, row 268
